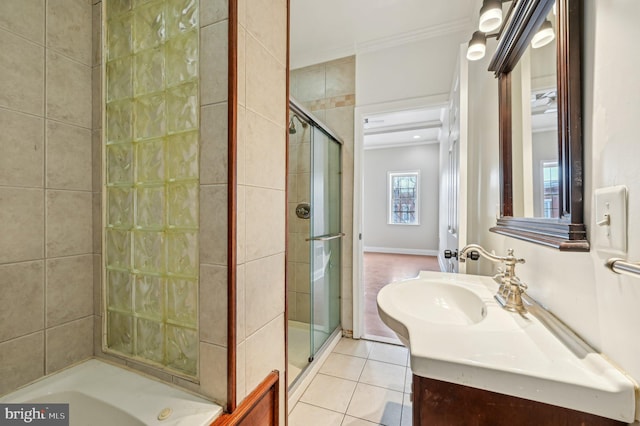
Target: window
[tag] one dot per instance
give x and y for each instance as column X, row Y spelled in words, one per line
column 404, row 198
column 551, row 190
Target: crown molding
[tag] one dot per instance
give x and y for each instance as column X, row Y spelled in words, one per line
column 461, row 25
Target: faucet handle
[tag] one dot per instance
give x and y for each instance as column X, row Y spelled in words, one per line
column 522, row 286
column 515, row 259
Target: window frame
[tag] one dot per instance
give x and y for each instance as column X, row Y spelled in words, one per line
column 390, row 215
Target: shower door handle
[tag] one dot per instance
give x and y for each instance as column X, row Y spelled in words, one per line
column 326, row 237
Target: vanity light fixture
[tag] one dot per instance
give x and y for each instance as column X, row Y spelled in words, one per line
column 544, row 35
column 491, row 19
column 477, row 46
column 490, row 16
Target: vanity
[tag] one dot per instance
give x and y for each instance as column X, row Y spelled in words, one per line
column 475, row 363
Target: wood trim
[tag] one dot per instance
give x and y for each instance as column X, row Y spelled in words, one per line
column 232, row 130
column 505, row 134
column 569, row 232
column 438, row 403
column 259, row 408
column 286, row 219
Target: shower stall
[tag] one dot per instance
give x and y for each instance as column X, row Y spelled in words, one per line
column 314, row 237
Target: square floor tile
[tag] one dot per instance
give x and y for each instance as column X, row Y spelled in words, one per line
column 376, row 404
column 407, row 411
column 359, row 348
column 352, row 421
column 389, row 353
column 309, row 415
column 343, row 366
column 385, row 375
column 332, row 393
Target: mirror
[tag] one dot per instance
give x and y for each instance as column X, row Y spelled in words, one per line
column 540, row 125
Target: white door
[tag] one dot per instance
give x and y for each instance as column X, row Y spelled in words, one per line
column 453, row 160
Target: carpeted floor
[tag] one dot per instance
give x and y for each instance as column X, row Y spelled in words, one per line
column 381, row 269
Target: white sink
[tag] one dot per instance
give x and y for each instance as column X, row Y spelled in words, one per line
column 456, row 332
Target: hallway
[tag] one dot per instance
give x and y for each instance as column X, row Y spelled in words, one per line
column 381, row 269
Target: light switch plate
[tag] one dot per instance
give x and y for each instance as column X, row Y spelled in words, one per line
column 610, row 229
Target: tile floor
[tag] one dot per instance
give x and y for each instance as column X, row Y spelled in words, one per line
column 361, row 383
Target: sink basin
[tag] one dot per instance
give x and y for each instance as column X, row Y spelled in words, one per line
column 456, row 332
column 438, row 303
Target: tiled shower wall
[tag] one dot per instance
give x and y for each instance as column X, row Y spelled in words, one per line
column 46, row 261
column 299, row 191
column 262, row 118
column 328, row 91
column 213, row 22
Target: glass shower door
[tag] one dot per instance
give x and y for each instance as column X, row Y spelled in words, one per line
column 326, row 238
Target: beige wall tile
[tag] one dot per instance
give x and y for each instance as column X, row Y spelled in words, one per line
column 241, row 303
column 213, row 304
column 69, row 343
column 341, row 77
column 266, row 83
column 213, row 372
column 303, row 278
column 23, row 312
column 69, row 289
column 21, row 74
column 241, row 145
column 213, row 224
column 242, row 66
column 69, row 28
column 25, row 18
column 213, row 63
column 96, row 161
column 265, row 222
column 241, row 224
column 291, row 304
column 96, row 34
column 96, row 98
column 212, row 11
column 303, row 307
column 267, row 22
column 341, row 121
column 241, row 361
column 97, row 284
column 265, row 163
column 69, row 223
column 310, row 83
column 22, row 361
column 265, row 352
column 21, row 224
column 264, row 291
column 68, row 90
column 22, row 147
column 214, row 144
column 69, row 157
column 96, row 199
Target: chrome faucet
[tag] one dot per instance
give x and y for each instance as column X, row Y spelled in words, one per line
column 509, row 294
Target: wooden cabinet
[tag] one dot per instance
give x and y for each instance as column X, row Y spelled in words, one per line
column 438, row 403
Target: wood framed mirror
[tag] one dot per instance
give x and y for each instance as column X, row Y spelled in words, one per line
column 541, row 197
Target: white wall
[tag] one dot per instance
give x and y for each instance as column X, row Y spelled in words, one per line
column 421, row 68
column 600, row 306
column 377, row 232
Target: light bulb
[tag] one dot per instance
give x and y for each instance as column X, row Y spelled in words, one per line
column 490, row 16
column 477, row 46
column 544, row 35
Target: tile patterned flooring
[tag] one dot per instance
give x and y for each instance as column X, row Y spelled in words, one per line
column 362, row 383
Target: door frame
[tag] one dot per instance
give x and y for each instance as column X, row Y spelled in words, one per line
column 360, row 112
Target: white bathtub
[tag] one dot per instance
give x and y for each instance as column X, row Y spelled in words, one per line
column 100, row 394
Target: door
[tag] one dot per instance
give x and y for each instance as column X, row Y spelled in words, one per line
column 326, row 237
column 454, row 173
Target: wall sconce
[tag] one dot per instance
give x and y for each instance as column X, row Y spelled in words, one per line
column 490, row 16
column 491, row 19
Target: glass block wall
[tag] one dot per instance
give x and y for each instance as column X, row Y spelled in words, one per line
column 152, row 181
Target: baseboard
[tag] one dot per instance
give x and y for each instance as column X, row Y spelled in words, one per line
column 391, row 250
